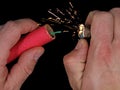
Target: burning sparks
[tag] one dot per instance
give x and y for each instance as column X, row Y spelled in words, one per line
column 69, row 21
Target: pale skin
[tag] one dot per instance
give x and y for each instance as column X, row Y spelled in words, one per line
column 97, row 67
column 10, row 33
column 94, row 67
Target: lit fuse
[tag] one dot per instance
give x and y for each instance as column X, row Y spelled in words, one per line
column 67, row 20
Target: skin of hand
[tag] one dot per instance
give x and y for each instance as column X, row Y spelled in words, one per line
column 97, row 67
column 10, row 33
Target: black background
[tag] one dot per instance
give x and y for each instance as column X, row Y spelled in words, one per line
column 49, row 73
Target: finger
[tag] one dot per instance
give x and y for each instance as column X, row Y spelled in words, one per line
column 11, row 33
column 102, row 27
column 23, row 68
column 116, row 14
column 74, row 63
column 90, row 17
column 3, row 76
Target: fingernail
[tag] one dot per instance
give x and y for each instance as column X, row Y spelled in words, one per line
column 38, row 54
column 79, row 44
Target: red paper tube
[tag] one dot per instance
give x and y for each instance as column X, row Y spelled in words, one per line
column 38, row 37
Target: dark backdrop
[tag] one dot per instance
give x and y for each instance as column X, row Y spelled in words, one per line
column 49, row 73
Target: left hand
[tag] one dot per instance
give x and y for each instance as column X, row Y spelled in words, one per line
column 10, row 34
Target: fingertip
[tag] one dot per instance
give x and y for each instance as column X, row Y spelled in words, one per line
column 81, row 43
column 38, row 53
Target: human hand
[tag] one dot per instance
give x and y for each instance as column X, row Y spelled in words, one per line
column 101, row 70
column 10, row 33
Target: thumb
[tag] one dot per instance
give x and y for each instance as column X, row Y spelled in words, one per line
column 74, row 63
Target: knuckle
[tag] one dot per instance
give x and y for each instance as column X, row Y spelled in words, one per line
column 93, row 12
column 10, row 24
column 65, row 60
column 27, row 70
column 11, row 28
column 103, row 15
column 68, row 59
column 116, row 9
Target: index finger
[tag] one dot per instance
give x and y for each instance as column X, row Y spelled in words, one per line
column 11, row 33
column 101, row 23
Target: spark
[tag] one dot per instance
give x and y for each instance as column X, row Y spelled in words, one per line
column 68, row 19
